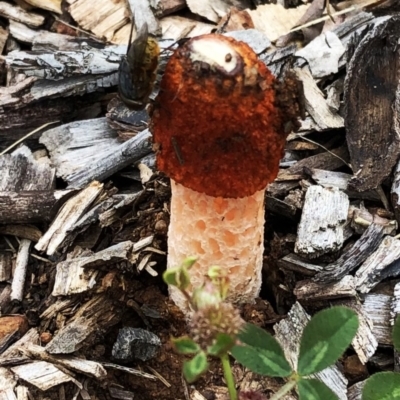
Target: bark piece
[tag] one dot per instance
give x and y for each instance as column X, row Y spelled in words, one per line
column 379, row 265
column 372, row 103
column 127, row 153
column 315, row 102
column 293, row 262
column 74, row 276
column 257, row 40
column 377, row 307
column 395, row 305
column 41, row 374
column 17, row 13
column 78, row 144
column 288, row 333
column 71, row 211
column 364, row 342
column 323, row 54
column 89, row 368
column 85, row 61
column 166, row 7
column 312, row 291
column 12, row 328
column 355, row 391
column 341, row 181
column 322, row 222
column 21, row 231
column 51, row 5
column 328, row 160
column 103, row 20
column 24, row 172
column 30, row 206
column 274, row 20
column 363, row 218
column 353, row 257
column 176, row 27
column 97, row 314
column 395, row 192
column 5, row 266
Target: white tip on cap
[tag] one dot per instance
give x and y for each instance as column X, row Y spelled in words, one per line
column 215, row 53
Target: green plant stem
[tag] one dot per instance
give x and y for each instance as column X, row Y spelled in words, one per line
column 284, row 389
column 230, row 381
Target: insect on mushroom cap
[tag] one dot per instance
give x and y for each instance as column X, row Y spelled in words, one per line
column 216, row 126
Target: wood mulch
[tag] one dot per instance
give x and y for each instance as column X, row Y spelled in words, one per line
column 84, row 212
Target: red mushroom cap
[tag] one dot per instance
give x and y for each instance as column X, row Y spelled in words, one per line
column 216, row 126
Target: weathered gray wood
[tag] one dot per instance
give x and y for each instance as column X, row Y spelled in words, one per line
column 327, row 160
column 21, row 231
column 362, row 218
column 17, row 13
column 321, row 226
column 21, row 172
column 165, row 7
column 5, row 266
column 77, row 274
column 372, row 102
column 98, row 313
column 377, row 307
column 256, row 39
column 355, row 391
column 341, row 181
column 364, row 342
column 280, row 207
column 395, row 306
column 308, row 290
column 288, row 333
column 293, row 262
column 315, row 102
column 85, row 61
column 41, row 374
column 32, row 206
column 353, row 257
column 76, row 145
column 323, row 54
column 71, row 211
column 127, row 153
column 379, row 265
column 395, row 192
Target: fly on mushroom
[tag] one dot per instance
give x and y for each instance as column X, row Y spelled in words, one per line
column 137, row 70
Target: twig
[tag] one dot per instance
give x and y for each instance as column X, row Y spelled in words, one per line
column 159, row 376
column 26, row 137
column 323, row 147
column 324, row 18
column 21, row 264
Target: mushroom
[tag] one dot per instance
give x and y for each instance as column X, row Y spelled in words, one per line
column 219, row 135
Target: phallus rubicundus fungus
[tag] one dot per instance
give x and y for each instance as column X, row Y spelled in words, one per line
column 219, row 135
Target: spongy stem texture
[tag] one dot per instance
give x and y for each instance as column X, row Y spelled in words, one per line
column 219, row 231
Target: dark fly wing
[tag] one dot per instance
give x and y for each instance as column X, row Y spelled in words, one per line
column 137, row 51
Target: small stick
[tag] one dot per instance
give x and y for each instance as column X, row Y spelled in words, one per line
column 21, row 264
column 26, row 137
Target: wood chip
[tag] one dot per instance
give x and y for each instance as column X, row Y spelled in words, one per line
column 372, row 101
column 353, row 257
column 41, row 374
column 321, row 226
column 316, row 104
column 288, row 333
column 313, row 291
column 377, row 307
column 72, row 210
column 379, row 265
